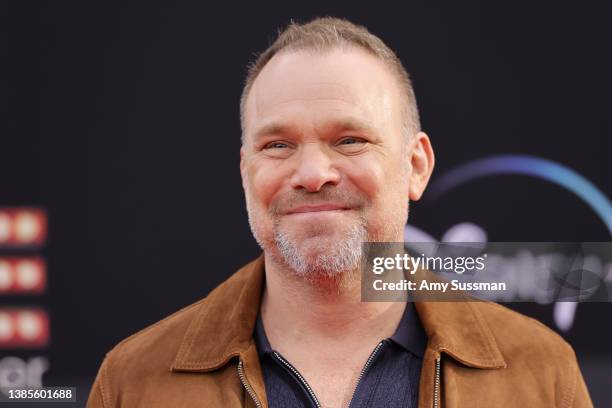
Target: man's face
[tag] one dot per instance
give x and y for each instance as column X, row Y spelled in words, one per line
column 324, row 163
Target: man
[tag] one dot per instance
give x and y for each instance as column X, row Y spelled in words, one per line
column 331, row 154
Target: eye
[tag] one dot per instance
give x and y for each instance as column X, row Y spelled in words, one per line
column 278, row 149
column 351, row 144
column 275, row 145
column 351, row 140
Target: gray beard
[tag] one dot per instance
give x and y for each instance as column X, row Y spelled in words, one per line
column 338, row 263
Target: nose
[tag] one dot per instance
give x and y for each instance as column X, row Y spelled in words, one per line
column 314, row 169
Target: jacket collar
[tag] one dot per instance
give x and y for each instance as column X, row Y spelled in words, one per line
column 223, row 325
column 459, row 330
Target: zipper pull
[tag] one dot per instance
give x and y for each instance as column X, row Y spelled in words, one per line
column 246, row 385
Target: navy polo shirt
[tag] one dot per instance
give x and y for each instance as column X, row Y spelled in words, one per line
column 389, row 379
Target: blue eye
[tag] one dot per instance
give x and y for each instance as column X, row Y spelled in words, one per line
column 275, row 145
column 351, row 141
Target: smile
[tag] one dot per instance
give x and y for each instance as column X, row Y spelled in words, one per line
column 304, row 209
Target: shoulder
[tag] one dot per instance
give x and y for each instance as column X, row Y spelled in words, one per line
column 156, row 344
column 520, row 335
column 162, row 340
column 144, row 357
column 535, row 353
column 150, row 358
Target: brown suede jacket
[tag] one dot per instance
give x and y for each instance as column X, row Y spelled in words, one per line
column 479, row 354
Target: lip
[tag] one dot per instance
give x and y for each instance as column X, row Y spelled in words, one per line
column 317, row 208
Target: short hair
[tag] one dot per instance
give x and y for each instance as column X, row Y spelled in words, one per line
column 326, row 33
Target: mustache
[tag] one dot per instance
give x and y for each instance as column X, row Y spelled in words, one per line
column 328, row 194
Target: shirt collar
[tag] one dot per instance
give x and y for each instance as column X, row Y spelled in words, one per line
column 263, row 345
column 409, row 334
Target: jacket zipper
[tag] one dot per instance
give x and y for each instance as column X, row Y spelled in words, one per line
column 365, row 368
column 436, row 395
column 299, row 376
column 247, row 386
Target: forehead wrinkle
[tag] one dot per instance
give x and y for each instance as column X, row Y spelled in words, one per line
column 303, row 104
column 345, row 123
column 317, row 92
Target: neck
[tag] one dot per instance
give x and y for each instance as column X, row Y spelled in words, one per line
column 299, row 313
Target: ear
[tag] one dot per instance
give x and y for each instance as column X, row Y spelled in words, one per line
column 422, row 162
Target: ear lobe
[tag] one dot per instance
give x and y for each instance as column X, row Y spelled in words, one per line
column 422, row 161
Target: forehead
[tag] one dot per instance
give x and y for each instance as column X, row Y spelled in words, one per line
column 320, row 86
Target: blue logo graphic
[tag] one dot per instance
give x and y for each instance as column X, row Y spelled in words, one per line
column 530, row 166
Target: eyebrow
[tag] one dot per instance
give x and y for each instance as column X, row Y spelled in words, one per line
column 336, row 125
column 272, row 129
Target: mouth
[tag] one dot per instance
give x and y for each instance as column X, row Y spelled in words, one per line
column 327, row 207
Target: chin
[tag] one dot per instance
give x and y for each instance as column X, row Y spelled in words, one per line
column 323, row 255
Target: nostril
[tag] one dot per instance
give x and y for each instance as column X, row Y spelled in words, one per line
column 314, row 182
column 312, row 179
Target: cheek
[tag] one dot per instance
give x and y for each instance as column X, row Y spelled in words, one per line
column 378, row 179
column 367, row 178
column 263, row 183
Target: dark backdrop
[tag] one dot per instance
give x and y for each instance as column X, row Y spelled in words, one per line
column 121, row 120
